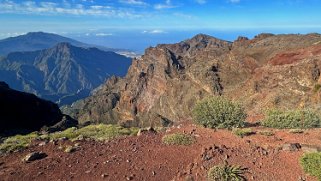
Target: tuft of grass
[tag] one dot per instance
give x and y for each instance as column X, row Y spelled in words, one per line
column 98, row 132
column 17, row 142
column 311, row 164
column 267, row 133
column 296, row 131
column 226, row 173
column 243, row 132
column 291, row 119
column 178, row 139
column 316, row 88
column 219, row 112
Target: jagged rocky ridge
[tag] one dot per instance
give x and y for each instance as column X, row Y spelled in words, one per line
column 63, row 73
column 166, row 82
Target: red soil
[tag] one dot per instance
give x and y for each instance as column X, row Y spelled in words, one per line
column 290, row 57
column 145, row 157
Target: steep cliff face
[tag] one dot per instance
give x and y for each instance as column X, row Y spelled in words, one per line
column 21, row 111
column 167, row 81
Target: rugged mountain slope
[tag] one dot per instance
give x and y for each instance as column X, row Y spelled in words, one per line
column 23, row 111
column 64, row 73
column 267, row 71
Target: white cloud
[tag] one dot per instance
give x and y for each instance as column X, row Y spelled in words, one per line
column 167, row 5
column 49, row 8
column 156, row 31
column 134, row 2
column 12, row 34
column 235, row 1
column 104, row 34
column 200, row 1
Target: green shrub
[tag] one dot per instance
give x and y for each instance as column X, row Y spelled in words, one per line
column 218, row 112
column 316, row 88
column 17, row 142
column 291, row 119
column 296, row 131
column 311, row 164
column 243, row 132
column 226, row 173
column 98, row 132
column 266, row 133
column 178, row 139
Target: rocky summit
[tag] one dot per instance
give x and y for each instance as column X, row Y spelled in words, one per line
column 165, row 83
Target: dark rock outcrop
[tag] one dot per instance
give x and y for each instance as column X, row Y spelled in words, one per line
column 23, row 112
column 267, row 71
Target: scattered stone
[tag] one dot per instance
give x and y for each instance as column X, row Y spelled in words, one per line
column 87, row 171
column 63, row 139
column 42, row 143
column 34, row 156
column 80, row 138
column 70, row 149
column 154, row 173
column 129, row 178
column 291, row 147
column 148, row 131
column 104, row 175
column 311, row 148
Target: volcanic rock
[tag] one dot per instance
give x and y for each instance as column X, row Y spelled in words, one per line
column 264, row 72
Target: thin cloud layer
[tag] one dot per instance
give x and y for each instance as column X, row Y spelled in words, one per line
column 51, row 8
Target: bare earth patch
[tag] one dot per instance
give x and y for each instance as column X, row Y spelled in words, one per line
column 145, row 157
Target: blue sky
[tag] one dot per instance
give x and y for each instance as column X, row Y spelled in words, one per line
column 100, row 21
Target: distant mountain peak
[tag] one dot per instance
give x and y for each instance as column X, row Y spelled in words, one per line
column 203, row 37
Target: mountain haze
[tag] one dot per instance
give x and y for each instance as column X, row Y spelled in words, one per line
column 63, row 73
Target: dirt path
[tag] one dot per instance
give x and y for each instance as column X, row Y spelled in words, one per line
column 146, row 158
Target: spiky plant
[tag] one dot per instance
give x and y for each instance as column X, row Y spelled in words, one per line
column 226, row 173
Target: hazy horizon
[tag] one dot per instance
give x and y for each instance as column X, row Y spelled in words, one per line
column 138, row 24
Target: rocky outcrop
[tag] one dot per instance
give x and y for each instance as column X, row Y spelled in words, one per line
column 166, row 82
column 23, row 112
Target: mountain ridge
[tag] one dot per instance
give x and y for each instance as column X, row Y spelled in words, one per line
column 63, row 70
column 33, row 41
column 169, row 78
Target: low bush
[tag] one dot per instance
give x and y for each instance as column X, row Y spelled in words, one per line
column 178, row 139
column 17, row 142
column 266, row 133
column 311, row 163
column 226, row 173
column 291, row 119
column 243, row 132
column 98, row 132
column 296, row 131
column 219, row 112
column 316, row 88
